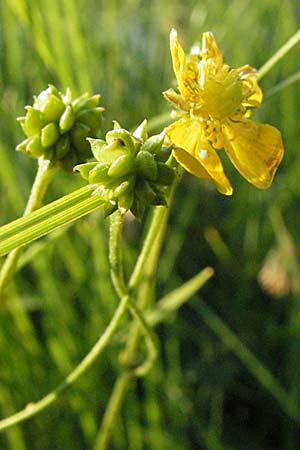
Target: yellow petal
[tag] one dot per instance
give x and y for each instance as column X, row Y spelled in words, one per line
column 255, row 150
column 210, row 50
column 190, row 163
column 178, row 58
column 251, row 90
column 185, row 72
column 195, row 154
column 176, row 99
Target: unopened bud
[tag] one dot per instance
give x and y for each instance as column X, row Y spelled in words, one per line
column 153, row 144
column 85, row 102
column 67, row 120
column 141, row 132
column 146, row 165
column 84, row 169
column 50, row 105
column 34, row 147
column 124, row 186
column 32, row 122
column 123, row 137
column 121, row 166
column 49, row 134
column 98, row 174
column 111, row 152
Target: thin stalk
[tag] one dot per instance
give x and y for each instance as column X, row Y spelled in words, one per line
column 260, row 372
column 153, row 232
column 143, row 270
column 115, row 257
column 117, row 275
column 43, row 177
column 112, row 410
column 278, row 55
column 34, row 408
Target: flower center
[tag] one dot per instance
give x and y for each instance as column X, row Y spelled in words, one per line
column 221, row 98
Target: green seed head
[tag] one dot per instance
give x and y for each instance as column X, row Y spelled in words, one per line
column 57, row 126
column 130, row 173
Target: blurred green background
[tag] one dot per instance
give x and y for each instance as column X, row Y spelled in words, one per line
column 228, row 376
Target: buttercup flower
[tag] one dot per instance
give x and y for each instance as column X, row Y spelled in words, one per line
column 214, row 103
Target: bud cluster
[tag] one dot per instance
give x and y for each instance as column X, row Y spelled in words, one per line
column 57, row 126
column 130, row 172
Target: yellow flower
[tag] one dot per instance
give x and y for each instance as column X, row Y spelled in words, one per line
column 214, row 104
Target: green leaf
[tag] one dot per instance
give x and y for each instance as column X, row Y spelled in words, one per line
column 48, row 218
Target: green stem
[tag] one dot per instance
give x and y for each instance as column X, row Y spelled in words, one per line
column 153, row 232
column 150, row 340
column 144, row 269
column 115, row 258
column 278, row 55
column 33, row 408
column 117, row 275
column 43, row 177
column 112, row 410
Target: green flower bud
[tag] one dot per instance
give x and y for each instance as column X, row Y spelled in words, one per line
column 34, row 147
column 121, row 166
column 97, row 146
column 84, row 169
column 22, row 146
column 123, row 137
column 49, row 134
column 141, row 132
column 62, row 133
column 111, row 152
column 32, row 122
column 146, row 165
column 85, row 102
column 67, row 98
column 62, row 146
column 124, row 186
column 50, row 105
column 53, row 90
column 153, row 144
column 98, row 174
column 66, row 120
column 127, row 175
